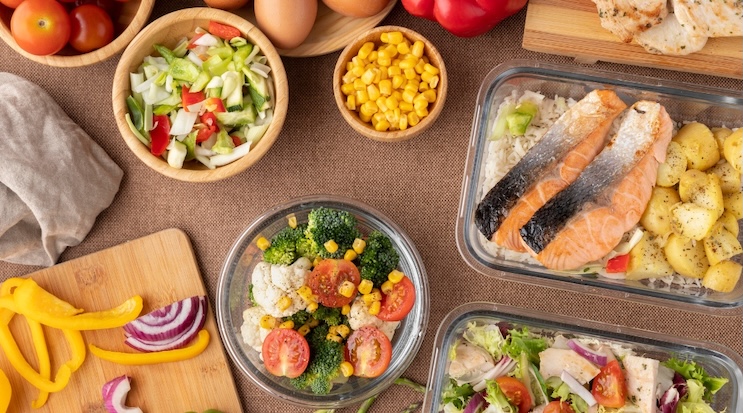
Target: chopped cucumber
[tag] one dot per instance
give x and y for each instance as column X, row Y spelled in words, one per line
column 177, row 154
column 518, row 122
column 499, row 129
column 183, row 69
column 165, row 53
column 164, row 109
column 241, row 118
column 148, row 118
column 255, row 133
column 200, row 83
column 235, row 97
column 527, row 108
column 258, row 89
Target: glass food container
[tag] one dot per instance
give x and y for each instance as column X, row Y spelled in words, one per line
column 684, row 102
column 717, row 360
column 232, row 299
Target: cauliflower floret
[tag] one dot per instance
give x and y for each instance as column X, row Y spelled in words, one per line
column 360, row 317
column 252, row 332
column 271, row 282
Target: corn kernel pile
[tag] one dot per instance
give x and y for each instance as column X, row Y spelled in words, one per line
column 392, row 86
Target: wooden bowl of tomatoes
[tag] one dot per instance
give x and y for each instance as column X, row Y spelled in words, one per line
column 71, row 33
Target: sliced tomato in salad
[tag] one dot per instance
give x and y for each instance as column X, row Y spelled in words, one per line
column 609, row 388
column 516, row 393
column 224, row 31
column 326, row 279
column 188, row 98
column 558, row 407
column 369, row 351
column 285, row 353
column 398, row 303
column 618, row 264
column 160, row 134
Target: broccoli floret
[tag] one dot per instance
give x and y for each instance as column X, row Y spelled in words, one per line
column 326, row 357
column 288, row 245
column 325, row 224
column 299, row 318
column 378, row 259
column 331, row 316
column 250, row 295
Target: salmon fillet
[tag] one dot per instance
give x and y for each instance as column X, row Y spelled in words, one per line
column 588, row 219
column 569, row 145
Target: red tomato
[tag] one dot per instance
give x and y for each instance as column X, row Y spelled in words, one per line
column 160, row 134
column 92, row 28
column 327, row 277
column 609, row 388
column 558, row 407
column 398, row 303
column 222, row 30
column 618, row 263
column 40, row 27
column 516, row 393
column 369, row 351
column 112, row 7
column 188, row 98
column 11, row 3
column 285, row 353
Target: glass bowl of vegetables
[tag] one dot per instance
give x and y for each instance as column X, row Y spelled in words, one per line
column 200, row 95
column 322, row 332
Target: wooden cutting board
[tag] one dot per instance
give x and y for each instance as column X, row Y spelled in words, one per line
column 572, row 28
column 162, row 269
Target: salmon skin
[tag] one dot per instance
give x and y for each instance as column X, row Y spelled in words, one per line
column 567, row 147
column 587, row 219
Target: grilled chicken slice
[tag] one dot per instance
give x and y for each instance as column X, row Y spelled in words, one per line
column 718, row 18
column 626, row 18
column 671, row 38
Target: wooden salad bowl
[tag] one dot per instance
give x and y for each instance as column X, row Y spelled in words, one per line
column 168, row 30
column 352, row 117
column 127, row 23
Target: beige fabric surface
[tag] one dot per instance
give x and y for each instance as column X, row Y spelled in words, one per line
column 416, row 183
column 54, row 180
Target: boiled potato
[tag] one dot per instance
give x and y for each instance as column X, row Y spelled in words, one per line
column 657, row 215
column 721, row 244
column 699, row 145
column 720, row 134
column 669, row 172
column 734, row 203
column 702, row 189
column 646, row 259
column 729, row 177
column 686, row 256
column 692, row 221
column 722, row 276
column 733, row 149
column 729, row 222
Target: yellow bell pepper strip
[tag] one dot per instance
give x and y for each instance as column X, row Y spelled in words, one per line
column 28, row 294
column 167, row 356
column 115, row 317
column 5, row 392
column 77, row 346
column 9, row 284
column 42, row 355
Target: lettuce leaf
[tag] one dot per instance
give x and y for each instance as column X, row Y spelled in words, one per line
column 690, row 370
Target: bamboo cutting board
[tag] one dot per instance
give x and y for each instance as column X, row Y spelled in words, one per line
column 572, row 28
column 162, row 269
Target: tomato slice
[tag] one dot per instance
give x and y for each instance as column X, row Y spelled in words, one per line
column 398, row 303
column 609, row 388
column 516, row 393
column 558, row 407
column 188, row 98
column 285, row 353
column 327, row 277
column 222, row 30
column 618, row 263
column 369, row 351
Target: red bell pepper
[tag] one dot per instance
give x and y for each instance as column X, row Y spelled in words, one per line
column 192, row 44
column 464, row 18
column 210, row 127
column 160, row 134
column 618, row 264
column 236, row 141
column 188, row 98
column 224, row 31
column 214, row 105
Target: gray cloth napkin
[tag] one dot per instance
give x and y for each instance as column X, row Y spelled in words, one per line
column 54, row 180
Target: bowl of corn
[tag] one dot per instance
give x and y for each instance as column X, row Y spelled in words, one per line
column 390, row 84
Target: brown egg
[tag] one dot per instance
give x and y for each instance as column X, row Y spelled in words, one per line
column 286, row 22
column 226, row 4
column 357, row 8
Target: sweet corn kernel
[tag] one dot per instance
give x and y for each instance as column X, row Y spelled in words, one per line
column 403, row 122
column 304, row 330
column 413, row 119
column 431, row 69
column 384, row 37
column 349, row 66
column 311, row 307
column 289, row 324
column 351, row 102
column 357, row 62
column 361, row 97
column 345, row 309
column 343, row 330
column 306, row 293
column 408, row 96
column 346, row 369
column 403, row 48
column 420, row 66
column 426, row 77
column 333, row 330
column 385, row 87
column 284, row 303
column 412, row 85
column 263, row 243
column 334, row 337
column 316, row 261
column 350, row 255
column 398, row 81
column 408, row 63
column 347, row 88
column 384, row 61
column 375, row 307
column 349, row 77
column 382, row 126
column 292, row 221
column 410, row 73
column 358, row 84
column 358, row 245
column 373, row 56
column 346, row 289
column 391, row 103
column 383, row 53
column 430, row 95
column 396, row 62
column 417, row 49
column 331, row 246
column 395, row 37
column 406, row 107
column 394, row 70
column 364, row 117
column 391, row 50
column 368, row 299
column 373, row 92
column 378, row 117
column 397, row 95
column 365, row 286
column 313, row 322
column 422, row 112
column 381, row 104
column 378, row 76
column 420, row 104
column 268, row 322
column 369, row 108
column 358, row 71
column 423, row 87
column 365, row 50
column 368, row 77
column 387, row 286
column 391, row 117
column 433, row 82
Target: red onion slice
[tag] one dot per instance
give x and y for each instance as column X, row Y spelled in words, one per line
column 153, row 328
column 114, row 396
column 175, row 342
column 587, row 353
column 476, row 405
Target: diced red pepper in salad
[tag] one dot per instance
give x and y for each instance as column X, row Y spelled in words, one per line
column 210, row 127
column 160, row 134
column 214, row 105
column 222, row 30
column 188, row 98
column 192, row 45
column 618, row 264
column 236, row 141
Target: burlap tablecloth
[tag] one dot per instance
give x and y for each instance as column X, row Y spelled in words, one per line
column 416, row 183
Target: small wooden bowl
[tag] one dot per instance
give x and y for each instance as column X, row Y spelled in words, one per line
column 127, row 23
column 352, row 117
column 168, row 30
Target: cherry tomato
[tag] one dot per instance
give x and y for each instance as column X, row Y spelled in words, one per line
column 558, row 407
column 516, row 393
column 222, row 30
column 110, row 6
column 398, row 303
column 92, row 28
column 369, row 351
column 327, row 277
column 609, row 388
column 11, row 3
column 40, row 27
column 285, row 353
column 618, row 263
